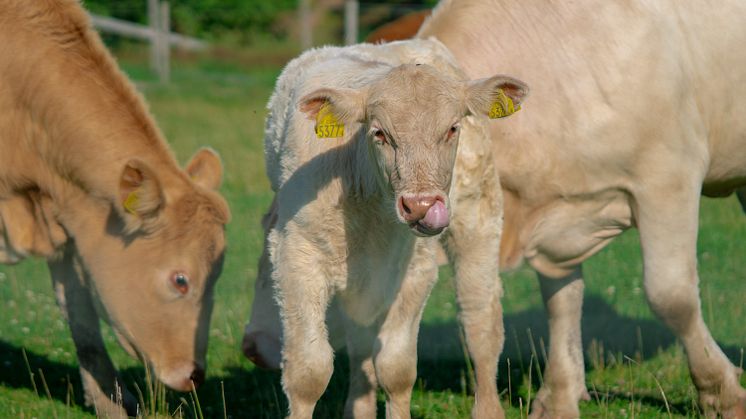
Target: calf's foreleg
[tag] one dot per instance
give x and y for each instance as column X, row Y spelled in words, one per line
column 395, row 350
column 304, row 293
column 473, row 245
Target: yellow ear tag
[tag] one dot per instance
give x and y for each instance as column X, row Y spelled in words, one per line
column 503, row 106
column 327, row 125
column 131, row 203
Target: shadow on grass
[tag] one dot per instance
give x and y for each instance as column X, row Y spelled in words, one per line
column 62, row 380
column 442, row 364
column 255, row 393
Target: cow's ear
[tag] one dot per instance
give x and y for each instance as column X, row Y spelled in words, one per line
column 140, row 194
column 206, row 169
column 347, row 105
column 496, row 96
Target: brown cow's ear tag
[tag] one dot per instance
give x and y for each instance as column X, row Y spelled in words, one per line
column 131, row 203
column 327, row 124
column 503, row 106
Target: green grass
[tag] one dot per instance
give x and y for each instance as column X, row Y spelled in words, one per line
column 630, row 356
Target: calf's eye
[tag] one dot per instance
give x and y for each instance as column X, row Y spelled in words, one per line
column 379, row 135
column 452, row 131
column 180, row 282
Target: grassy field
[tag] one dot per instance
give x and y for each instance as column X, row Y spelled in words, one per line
column 635, row 368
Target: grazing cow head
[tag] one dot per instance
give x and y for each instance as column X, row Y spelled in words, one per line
column 412, row 118
column 152, row 263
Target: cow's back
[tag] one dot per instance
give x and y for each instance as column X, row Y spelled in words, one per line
column 616, row 87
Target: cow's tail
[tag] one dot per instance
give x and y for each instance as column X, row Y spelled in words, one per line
column 741, row 194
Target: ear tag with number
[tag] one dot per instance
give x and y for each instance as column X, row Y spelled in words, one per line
column 503, row 106
column 130, row 204
column 327, row 125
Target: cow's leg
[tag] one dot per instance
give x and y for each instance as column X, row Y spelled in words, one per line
column 741, row 194
column 478, row 290
column 395, row 352
column 473, row 244
column 564, row 376
column 104, row 389
column 361, row 396
column 307, row 356
column 667, row 221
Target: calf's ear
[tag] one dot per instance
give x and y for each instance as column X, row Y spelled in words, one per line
column 206, row 169
column 496, row 96
column 140, row 194
column 347, row 105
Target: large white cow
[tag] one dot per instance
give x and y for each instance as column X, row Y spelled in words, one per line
column 638, row 107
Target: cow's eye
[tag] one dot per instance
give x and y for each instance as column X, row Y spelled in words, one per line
column 180, row 282
column 380, row 136
column 452, row 131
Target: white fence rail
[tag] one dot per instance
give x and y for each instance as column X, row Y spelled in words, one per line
column 145, row 33
column 157, row 33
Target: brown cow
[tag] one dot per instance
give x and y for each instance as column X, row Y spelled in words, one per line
column 87, row 181
column 404, row 27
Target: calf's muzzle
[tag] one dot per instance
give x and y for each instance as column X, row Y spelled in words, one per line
column 426, row 214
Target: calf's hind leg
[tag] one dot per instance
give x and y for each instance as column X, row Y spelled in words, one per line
column 361, row 395
column 668, row 234
column 104, row 389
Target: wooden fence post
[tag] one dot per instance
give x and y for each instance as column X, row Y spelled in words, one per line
column 352, row 9
column 159, row 20
column 304, row 16
column 154, row 22
column 165, row 51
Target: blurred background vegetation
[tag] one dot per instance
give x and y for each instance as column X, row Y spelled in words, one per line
column 244, row 23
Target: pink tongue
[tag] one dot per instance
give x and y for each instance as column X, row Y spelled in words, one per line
column 436, row 217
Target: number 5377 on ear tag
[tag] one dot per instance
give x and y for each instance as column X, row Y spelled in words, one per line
column 503, row 106
column 327, row 125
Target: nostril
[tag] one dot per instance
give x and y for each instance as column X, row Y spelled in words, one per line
column 404, row 207
column 263, row 350
column 198, row 376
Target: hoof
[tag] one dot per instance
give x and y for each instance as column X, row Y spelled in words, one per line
column 540, row 409
column 738, row 411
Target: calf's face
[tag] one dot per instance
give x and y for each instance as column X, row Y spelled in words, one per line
column 411, row 118
column 155, row 283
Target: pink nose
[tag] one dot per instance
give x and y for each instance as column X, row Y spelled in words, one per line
column 425, row 211
column 414, row 208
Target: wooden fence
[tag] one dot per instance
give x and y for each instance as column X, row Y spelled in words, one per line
column 157, row 33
